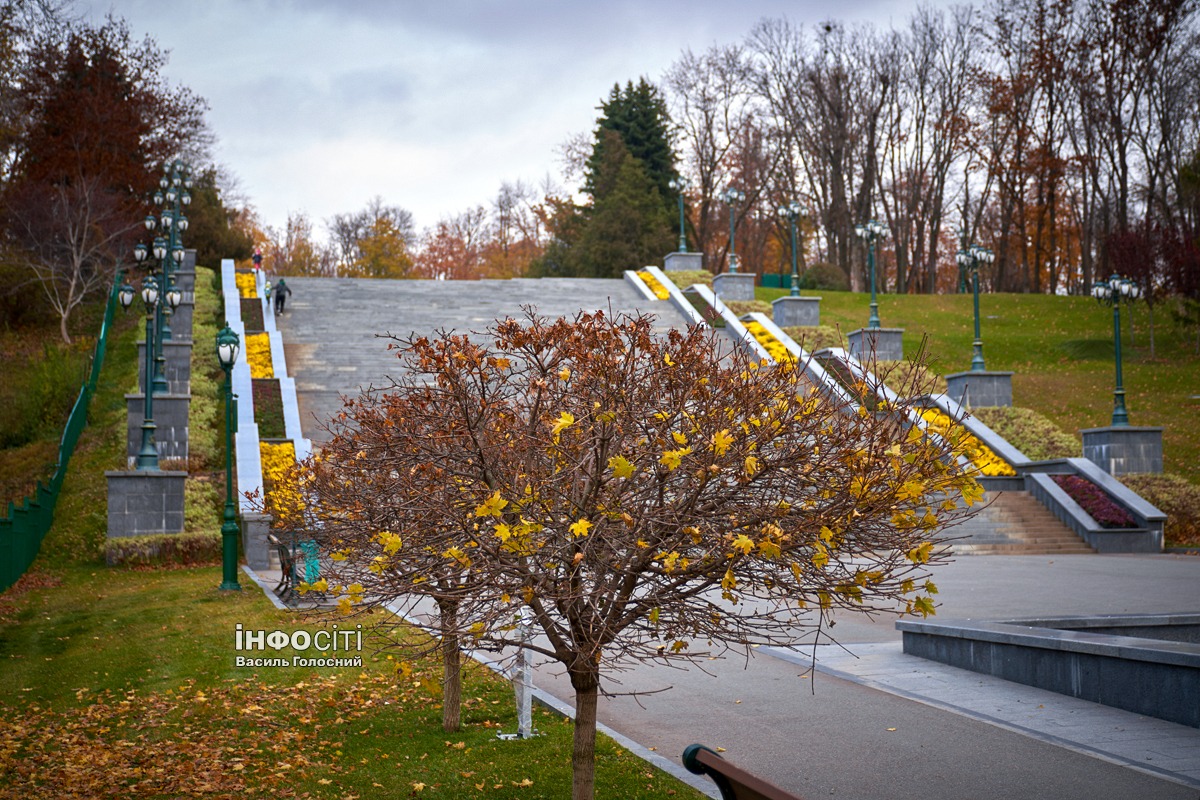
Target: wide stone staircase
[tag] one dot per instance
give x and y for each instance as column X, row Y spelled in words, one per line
column 332, row 326
column 331, row 338
column 1014, row 523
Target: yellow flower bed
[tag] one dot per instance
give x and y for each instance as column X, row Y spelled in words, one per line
column 258, row 354
column 246, row 284
column 652, row 283
column 988, row 463
column 280, row 491
column 776, row 349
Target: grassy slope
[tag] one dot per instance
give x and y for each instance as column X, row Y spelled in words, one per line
column 1060, row 349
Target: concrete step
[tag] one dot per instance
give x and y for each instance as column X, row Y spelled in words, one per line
column 1014, row 523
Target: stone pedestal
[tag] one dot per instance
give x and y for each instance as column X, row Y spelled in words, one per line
column 189, row 260
column 983, row 389
column 181, row 321
column 789, row 311
column 145, row 502
column 1122, row 450
column 177, row 368
column 255, row 528
column 876, row 344
column 734, row 286
column 683, row 262
column 170, row 424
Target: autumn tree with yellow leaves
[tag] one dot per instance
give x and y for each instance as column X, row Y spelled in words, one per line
column 644, row 497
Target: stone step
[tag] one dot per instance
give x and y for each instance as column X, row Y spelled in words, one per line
column 1014, row 523
column 1014, row 549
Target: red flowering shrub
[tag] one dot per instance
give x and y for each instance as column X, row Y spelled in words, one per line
column 1095, row 501
column 268, row 408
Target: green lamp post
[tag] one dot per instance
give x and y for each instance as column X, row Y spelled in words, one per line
column 970, row 258
column 1111, row 292
column 869, row 233
column 732, row 198
column 680, row 185
column 792, row 212
column 172, row 194
column 228, row 345
column 147, row 458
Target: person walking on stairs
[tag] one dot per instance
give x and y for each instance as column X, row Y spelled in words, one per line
column 281, row 291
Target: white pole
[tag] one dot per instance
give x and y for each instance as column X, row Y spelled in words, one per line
column 524, row 679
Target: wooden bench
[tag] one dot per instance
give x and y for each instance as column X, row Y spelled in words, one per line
column 734, row 782
column 287, row 567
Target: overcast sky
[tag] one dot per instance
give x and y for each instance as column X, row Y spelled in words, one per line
column 320, row 105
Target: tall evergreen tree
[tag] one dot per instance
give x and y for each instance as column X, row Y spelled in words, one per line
column 627, row 226
column 630, row 220
column 638, row 114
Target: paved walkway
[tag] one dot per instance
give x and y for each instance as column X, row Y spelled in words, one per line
column 872, row 722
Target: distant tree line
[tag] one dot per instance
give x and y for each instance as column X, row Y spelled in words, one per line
column 1062, row 134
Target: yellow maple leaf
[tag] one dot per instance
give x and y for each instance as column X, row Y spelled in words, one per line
column 492, row 507
column 678, row 437
column 580, row 527
column 564, row 373
column 671, row 458
column 621, row 467
column 924, row 606
column 751, row 465
column 565, row 420
column 667, row 360
column 920, row 554
column 721, row 441
column 743, row 543
column 390, row 541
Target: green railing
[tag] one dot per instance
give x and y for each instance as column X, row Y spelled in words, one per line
column 24, row 527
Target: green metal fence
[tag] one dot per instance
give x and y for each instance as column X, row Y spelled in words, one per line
column 23, row 527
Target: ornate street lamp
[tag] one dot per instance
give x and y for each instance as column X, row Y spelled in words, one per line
column 970, row 258
column 228, row 345
column 1111, row 292
column 125, row 296
column 680, row 185
column 147, row 458
column 869, row 233
column 732, row 197
column 173, row 194
column 791, row 212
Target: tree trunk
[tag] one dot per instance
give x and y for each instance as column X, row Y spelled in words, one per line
column 1150, row 308
column 62, row 328
column 451, row 669
column 583, row 754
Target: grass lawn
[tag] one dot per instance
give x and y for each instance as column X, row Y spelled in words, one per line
column 126, row 681
column 1060, row 350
